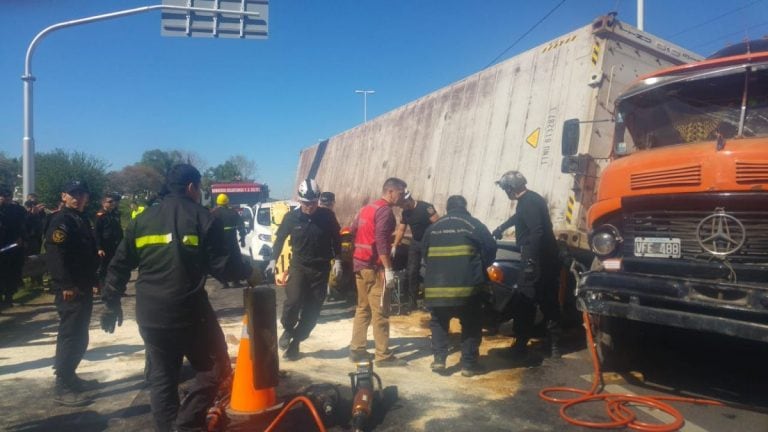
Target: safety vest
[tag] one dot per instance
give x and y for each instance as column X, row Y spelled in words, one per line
column 365, row 237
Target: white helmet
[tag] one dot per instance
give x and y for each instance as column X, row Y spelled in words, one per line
column 513, row 180
column 309, row 190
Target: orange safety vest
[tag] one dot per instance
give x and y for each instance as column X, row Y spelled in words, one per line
column 365, row 237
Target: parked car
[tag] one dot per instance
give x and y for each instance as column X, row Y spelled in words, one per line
column 258, row 242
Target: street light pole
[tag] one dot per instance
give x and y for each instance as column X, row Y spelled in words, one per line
column 365, row 94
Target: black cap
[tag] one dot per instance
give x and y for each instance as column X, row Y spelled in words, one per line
column 327, row 197
column 74, row 186
column 5, row 191
column 114, row 196
column 181, row 175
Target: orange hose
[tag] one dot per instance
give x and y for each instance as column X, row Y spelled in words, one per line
column 310, row 407
column 617, row 405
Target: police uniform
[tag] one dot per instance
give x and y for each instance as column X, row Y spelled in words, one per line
column 539, row 280
column 12, row 231
column 176, row 244
column 315, row 241
column 456, row 250
column 419, row 219
column 109, row 233
column 72, row 261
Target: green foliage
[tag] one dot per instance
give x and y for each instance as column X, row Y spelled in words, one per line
column 53, row 170
column 135, row 181
column 10, row 168
column 226, row 172
column 161, row 161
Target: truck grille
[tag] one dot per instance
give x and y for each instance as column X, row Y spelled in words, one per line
column 680, row 176
column 683, row 224
column 751, row 172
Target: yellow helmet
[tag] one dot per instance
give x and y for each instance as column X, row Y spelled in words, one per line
column 222, row 199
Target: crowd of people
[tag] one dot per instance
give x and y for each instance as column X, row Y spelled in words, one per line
column 177, row 242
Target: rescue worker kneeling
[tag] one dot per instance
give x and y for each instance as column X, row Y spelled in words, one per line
column 456, row 250
column 175, row 244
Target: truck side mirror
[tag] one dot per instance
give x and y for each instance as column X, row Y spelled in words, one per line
column 570, row 144
column 578, row 164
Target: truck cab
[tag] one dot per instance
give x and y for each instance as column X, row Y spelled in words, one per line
column 679, row 225
column 259, row 240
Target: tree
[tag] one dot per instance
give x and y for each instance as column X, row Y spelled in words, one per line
column 10, row 168
column 53, row 170
column 136, row 180
column 246, row 167
column 161, row 161
column 226, row 172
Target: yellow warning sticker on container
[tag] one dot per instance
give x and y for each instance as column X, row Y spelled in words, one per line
column 533, row 138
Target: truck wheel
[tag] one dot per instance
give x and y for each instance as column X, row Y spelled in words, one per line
column 616, row 342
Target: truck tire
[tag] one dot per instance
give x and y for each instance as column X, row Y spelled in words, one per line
column 617, row 341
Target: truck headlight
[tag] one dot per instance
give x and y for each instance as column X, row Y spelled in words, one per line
column 605, row 240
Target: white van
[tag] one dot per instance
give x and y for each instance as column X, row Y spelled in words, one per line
column 258, row 242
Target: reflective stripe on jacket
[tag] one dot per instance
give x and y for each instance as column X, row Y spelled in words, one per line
column 456, row 249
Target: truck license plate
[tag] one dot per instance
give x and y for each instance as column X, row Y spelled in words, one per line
column 657, row 247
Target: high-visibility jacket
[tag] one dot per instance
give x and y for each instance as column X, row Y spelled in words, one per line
column 175, row 244
column 365, row 236
column 456, row 249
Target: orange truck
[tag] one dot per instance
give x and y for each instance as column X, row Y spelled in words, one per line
column 679, row 226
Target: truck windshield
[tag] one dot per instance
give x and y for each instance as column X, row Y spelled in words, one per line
column 695, row 109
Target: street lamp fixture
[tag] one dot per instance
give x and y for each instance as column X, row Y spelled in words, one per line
column 365, row 94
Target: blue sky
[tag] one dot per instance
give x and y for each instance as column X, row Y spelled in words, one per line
column 115, row 89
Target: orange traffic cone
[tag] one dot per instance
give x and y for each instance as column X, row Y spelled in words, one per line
column 245, row 398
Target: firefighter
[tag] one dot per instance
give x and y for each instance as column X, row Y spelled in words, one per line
column 374, row 276
column 72, row 261
column 315, row 241
column 175, row 244
column 418, row 215
column 456, row 251
column 108, row 232
column 233, row 225
column 539, row 280
column 12, row 231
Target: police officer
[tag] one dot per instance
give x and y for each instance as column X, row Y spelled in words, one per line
column 175, row 244
column 108, row 231
column 539, row 280
column 327, row 200
column 418, row 215
column 315, row 241
column 72, row 261
column 12, row 230
column 233, row 225
column 456, row 251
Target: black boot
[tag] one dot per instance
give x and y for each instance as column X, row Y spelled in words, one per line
column 292, row 353
column 554, row 332
column 65, row 392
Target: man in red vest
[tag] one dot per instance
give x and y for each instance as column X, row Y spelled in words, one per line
column 374, row 275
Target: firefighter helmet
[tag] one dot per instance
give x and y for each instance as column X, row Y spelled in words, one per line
column 309, row 190
column 222, row 199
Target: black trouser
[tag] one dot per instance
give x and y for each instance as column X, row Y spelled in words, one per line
column 414, row 265
column 11, row 266
column 165, row 352
column 546, row 287
column 109, row 253
column 72, row 337
column 305, row 293
column 470, row 316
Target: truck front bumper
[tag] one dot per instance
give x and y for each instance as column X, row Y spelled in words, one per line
column 739, row 310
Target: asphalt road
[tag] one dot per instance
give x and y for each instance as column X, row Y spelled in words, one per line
column 504, row 399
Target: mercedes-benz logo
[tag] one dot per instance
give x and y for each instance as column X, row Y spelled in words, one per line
column 721, row 234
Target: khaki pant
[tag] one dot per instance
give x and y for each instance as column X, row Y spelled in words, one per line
column 370, row 309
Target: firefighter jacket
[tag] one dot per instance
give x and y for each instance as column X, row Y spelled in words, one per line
column 174, row 244
column 233, row 224
column 71, row 253
column 456, row 250
column 109, row 232
column 315, row 238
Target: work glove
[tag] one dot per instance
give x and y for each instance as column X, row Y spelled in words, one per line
column 389, row 279
column 270, row 270
column 527, row 279
column 393, row 251
column 256, row 278
column 113, row 314
column 242, row 242
column 498, row 234
column 337, row 270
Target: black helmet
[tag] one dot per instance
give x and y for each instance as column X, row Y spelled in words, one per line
column 309, row 190
column 512, row 180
